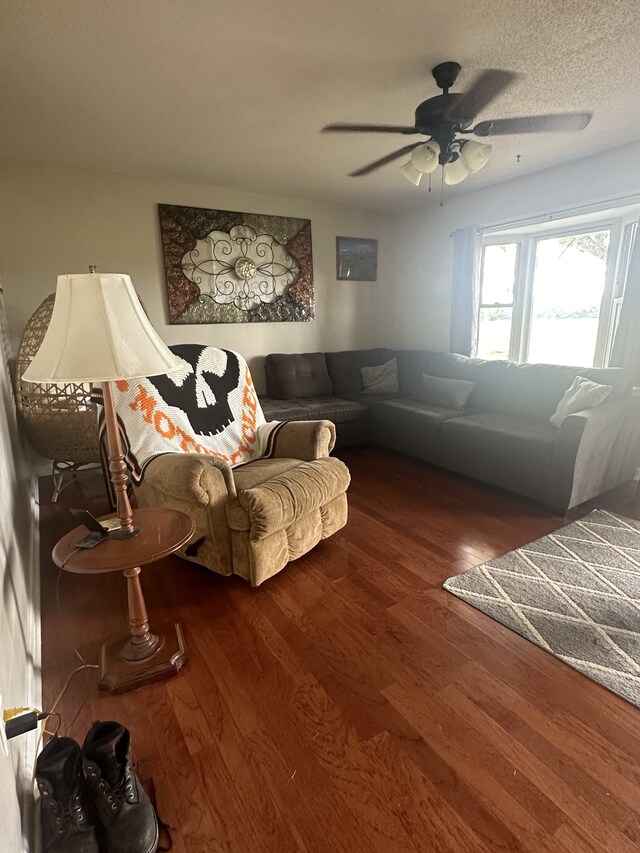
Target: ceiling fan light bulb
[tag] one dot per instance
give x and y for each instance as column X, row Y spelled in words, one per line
column 425, row 157
column 411, row 173
column 475, row 155
column 455, row 172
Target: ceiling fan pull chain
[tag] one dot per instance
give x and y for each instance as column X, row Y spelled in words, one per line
column 442, row 187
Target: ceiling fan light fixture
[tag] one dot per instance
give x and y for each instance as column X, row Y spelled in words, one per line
column 425, row 157
column 411, row 173
column 475, row 155
column 455, row 172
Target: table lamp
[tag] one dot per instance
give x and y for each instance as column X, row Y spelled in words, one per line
column 99, row 332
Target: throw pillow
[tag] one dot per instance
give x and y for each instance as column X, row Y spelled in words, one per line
column 581, row 394
column 381, row 379
column 449, row 393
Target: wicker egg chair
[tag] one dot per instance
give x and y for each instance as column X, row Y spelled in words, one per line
column 60, row 420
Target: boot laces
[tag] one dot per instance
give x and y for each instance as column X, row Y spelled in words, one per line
column 65, row 815
column 114, row 794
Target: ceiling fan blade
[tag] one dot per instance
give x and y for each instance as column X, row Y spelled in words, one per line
column 364, row 170
column 346, row 127
column 533, row 124
column 487, row 86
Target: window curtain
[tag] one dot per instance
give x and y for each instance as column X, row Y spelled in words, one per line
column 626, row 344
column 465, row 291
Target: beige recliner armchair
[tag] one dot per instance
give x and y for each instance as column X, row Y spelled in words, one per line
column 253, row 520
column 184, row 432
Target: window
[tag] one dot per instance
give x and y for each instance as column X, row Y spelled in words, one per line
column 499, row 265
column 552, row 293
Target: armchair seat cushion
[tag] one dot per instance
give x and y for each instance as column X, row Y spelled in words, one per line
column 255, row 473
column 292, row 493
column 336, row 409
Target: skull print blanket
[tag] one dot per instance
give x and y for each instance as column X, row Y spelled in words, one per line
column 209, row 407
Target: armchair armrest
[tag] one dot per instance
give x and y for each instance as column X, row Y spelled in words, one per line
column 305, row 440
column 189, row 476
column 598, row 449
column 201, row 486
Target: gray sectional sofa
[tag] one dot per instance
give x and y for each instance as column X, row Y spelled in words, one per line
column 502, row 437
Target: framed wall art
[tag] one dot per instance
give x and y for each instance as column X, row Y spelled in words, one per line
column 356, row 259
column 223, row 266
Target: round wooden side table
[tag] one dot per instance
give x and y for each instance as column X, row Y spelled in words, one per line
column 142, row 656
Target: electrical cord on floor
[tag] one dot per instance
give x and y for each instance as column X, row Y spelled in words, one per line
column 166, row 842
column 53, row 712
column 83, row 667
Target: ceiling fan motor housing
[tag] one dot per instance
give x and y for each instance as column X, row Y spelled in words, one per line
column 434, row 112
column 432, row 120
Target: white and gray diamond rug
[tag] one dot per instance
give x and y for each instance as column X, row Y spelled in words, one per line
column 574, row 593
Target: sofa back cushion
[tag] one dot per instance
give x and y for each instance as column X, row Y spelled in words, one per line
column 488, row 377
column 528, row 390
column 412, row 363
column 293, row 376
column 344, row 368
column 536, row 389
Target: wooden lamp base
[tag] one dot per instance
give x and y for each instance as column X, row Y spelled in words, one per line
column 117, row 674
column 141, row 657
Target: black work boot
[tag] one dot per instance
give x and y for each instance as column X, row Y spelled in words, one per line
column 127, row 817
column 66, row 812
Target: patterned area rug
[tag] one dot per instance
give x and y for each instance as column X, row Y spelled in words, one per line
column 574, row 593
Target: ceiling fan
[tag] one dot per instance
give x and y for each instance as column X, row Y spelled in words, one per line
column 447, row 118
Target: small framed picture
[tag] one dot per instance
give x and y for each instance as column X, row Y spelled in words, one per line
column 356, row 259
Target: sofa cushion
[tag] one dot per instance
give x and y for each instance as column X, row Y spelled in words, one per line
column 335, row 409
column 529, row 390
column 582, row 394
column 450, row 393
column 297, row 375
column 381, row 379
column 536, row 389
column 411, row 427
column 369, row 400
column 426, row 411
column 344, row 368
column 281, row 500
column 489, row 377
column 412, row 363
column 507, row 438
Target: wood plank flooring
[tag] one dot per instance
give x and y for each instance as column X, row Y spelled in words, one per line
column 350, row 704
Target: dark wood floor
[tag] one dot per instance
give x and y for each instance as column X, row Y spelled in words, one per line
column 350, row 704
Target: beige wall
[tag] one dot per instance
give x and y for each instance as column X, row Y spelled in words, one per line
column 56, row 220
column 424, row 250
column 20, row 618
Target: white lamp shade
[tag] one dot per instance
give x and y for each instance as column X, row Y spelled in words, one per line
column 425, row 157
column 455, row 172
column 99, row 331
column 475, row 155
column 411, row 173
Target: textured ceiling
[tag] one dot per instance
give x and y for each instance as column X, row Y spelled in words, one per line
column 234, row 93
